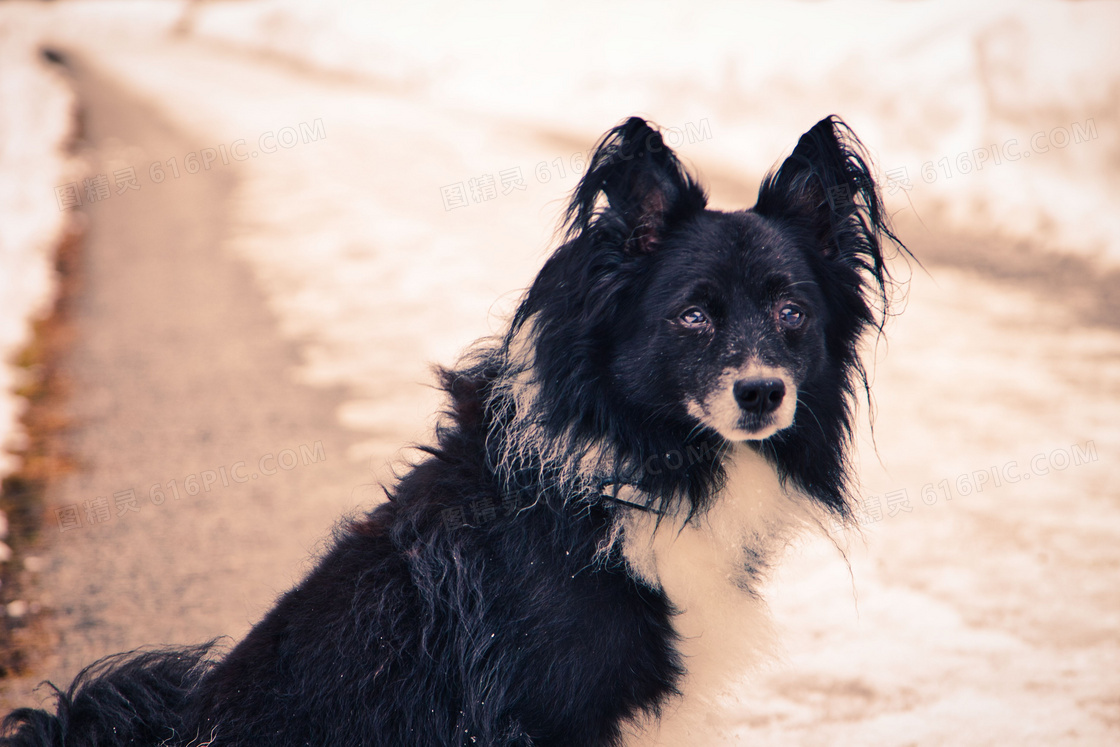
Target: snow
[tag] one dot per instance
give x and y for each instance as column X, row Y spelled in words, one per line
column 35, row 109
column 987, row 618
column 922, row 82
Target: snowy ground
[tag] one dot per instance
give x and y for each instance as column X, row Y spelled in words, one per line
column 35, row 122
column 35, row 105
column 988, row 612
column 922, row 82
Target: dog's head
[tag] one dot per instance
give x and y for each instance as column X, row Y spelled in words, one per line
column 661, row 322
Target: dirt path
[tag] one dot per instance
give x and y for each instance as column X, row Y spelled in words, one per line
column 177, row 371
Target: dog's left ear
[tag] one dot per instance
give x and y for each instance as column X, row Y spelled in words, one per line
column 646, row 190
column 825, row 189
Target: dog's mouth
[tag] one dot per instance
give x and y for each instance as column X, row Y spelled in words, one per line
column 748, row 405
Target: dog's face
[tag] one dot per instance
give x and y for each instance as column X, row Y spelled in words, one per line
column 663, row 325
column 727, row 327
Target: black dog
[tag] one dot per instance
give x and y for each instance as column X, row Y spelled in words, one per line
column 577, row 560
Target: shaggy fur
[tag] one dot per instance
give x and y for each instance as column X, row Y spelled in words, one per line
column 579, row 552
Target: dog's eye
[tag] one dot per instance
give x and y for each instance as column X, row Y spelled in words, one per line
column 694, row 316
column 791, row 316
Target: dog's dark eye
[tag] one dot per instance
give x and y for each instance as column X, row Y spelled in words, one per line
column 694, row 316
column 791, row 316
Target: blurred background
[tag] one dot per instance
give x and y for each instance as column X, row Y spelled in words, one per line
column 234, row 236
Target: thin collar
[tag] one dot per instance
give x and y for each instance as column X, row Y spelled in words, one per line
column 613, row 496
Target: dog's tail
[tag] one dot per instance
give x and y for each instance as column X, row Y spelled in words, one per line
column 128, row 699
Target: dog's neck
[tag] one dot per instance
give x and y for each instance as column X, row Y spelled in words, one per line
column 735, row 539
column 711, row 568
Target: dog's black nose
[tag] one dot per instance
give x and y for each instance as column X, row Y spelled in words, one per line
column 760, row 396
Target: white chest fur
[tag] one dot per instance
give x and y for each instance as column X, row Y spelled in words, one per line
column 711, row 569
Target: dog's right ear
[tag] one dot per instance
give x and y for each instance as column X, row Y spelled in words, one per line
column 645, row 188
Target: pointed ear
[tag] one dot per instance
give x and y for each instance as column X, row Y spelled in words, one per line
column 645, row 188
column 826, row 189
